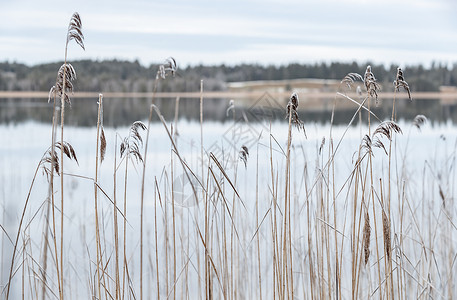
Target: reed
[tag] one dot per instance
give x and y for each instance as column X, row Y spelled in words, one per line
column 303, row 226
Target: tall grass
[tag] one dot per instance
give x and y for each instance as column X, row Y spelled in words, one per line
column 292, row 222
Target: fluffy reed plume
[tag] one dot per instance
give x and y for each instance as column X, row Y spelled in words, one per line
column 102, row 145
column 75, row 30
column 67, row 73
column 65, row 76
column 378, row 144
column 387, row 128
column 52, row 159
column 168, row 67
column 351, row 78
column 292, row 106
column 244, row 154
column 371, row 85
column 419, row 120
column 386, row 234
column 401, row 83
column 366, row 238
column 367, row 144
column 131, row 144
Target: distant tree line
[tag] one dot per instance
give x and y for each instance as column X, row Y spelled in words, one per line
column 128, row 76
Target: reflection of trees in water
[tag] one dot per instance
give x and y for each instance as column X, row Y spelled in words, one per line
column 83, row 112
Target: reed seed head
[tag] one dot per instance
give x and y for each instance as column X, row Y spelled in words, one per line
column 244, row 154
column 75, row 30
column 366, row 238
column 351, row 78
column 387, row 128
column 132, row 143
column 367, row 144
column 168, row 67
column 401, row 83
column 102, row 145
column 386, row 234
column 51, row 159
column 65, row 74
column 419, row 120
column 371, row 84
column 292, row 106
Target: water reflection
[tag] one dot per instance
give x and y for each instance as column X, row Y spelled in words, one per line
column 123, row 111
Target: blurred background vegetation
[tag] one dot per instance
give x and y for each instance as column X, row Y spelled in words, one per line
column 130, row 76
column 127, row 76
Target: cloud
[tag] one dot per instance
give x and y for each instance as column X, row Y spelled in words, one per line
column 234, row 31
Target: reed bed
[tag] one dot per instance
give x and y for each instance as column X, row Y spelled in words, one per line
column 267, row 210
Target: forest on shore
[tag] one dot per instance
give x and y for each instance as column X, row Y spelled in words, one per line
column 131, row 76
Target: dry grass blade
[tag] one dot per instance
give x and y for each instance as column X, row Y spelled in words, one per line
column 244, row 154
column 371, row 84
column 419, row 120
column 401, row 83
column 218, row 164
column 351, row 78
column 75, row 30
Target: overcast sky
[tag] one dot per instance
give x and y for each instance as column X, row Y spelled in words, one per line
column 213, row 32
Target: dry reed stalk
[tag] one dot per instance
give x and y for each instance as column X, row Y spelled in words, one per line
column 50, row 197
column 97, row 226
column 116, row 228
column 201, row 127
column 74, row 33
column 176, row 133
column 173, row 218
column 354, row 237
column 165, row 244
column 294, row 119
column 257, row 222
column 168, row 67
column 130, row 147
column 273, row 221
column 156, row 192
column 49, row 163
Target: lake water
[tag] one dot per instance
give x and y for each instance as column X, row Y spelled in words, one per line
column 430, row 150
